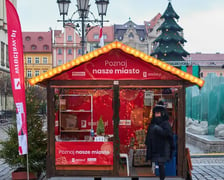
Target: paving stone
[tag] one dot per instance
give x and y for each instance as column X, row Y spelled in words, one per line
column 209, row 168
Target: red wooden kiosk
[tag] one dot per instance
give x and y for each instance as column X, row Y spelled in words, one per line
column 82, row 91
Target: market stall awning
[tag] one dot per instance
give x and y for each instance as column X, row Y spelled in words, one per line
column 116, row 61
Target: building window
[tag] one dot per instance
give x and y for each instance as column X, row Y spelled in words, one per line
column 59, row 62
column 142, row 38
column 7, row 57
column 45, row 47
column 27, row 38
column 201, row 74
column 105, row 36
column 44, row 71
column 37, row 60
column 96, row 36
column 40, row 38
column 2, row 53
column 69, row 38
column 29, row 74
column 29, row 60
column 131, row 35
column 33, row 47
column 79, row 51
column 59, row 51
column 45, row 60
column 37, row 73
column 69, row 51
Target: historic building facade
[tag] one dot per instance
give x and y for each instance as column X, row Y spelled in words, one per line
column 133, row 35
column 6, row 100
column 65, row 46
column 208, row 62
column 140, row 37
column 92, row 38
column 37, row 51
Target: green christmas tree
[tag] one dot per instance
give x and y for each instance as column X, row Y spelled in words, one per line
column 37, row 139
column 170, row 41
column 100, row 127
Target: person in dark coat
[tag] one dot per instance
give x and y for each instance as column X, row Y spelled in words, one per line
column 159, row 138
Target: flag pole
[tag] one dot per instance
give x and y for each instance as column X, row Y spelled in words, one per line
column 27, row 166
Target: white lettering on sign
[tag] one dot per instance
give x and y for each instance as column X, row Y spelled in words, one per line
column 154, row 74
column 81, row 73
column 127, row 71
column 66, row 152
column 82, row 152
column 125, row 122
column 116, row 67
column 91, row 159
column 116, row 63
column 103, row 71
column 15, row 51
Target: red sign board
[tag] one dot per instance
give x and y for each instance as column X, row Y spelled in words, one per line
column 84, row 153
column 116, row 65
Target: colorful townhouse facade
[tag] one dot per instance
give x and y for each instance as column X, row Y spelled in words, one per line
column 65, row 46
column 6, row 99
column 93, row 37
column 37, row 49
column 208, row 62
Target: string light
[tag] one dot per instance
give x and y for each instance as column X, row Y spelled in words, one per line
column 125, row 48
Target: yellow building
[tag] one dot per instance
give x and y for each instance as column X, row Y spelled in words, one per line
column 37, row 52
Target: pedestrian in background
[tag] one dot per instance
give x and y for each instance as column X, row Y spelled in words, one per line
column 159, row 138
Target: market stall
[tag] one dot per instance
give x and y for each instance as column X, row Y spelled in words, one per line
column 99, row 107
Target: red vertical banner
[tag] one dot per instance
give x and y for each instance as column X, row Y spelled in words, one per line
column 16, row 65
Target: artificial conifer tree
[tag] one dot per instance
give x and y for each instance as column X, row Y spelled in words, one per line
column 100, row 127
column 37, row 138
column 170, row 42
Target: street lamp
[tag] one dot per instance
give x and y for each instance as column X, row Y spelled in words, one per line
column 83, row 11
column 102, row 8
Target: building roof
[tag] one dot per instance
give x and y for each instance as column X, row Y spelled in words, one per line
column 206, row 59
column 37, row 42
column 120, row 30
column 127, row 49
column 57, row 32
column 149, row 25
column 107, row 30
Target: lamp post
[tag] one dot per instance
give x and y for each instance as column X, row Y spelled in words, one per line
column 102, row 8
column 83, row 11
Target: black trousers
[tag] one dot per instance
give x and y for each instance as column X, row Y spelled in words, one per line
column 161, row 170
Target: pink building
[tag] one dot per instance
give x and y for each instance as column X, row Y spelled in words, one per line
column 209, row 63
column 66, row 46
column 93, row 37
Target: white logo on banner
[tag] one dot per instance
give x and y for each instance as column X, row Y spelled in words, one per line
column 22, row 137
column 19, row 107
column 17, row 83
column 23, row 143
column 20, row 111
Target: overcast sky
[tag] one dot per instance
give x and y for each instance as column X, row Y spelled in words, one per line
column 202, row 20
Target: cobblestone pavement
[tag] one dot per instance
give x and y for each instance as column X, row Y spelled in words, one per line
column 5, row 170
column 208, row 168
column 204, row 168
